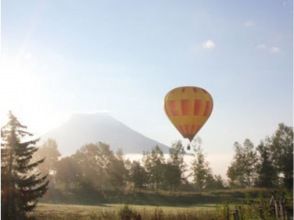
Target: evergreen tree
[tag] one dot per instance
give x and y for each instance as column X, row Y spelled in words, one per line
column 21, row 184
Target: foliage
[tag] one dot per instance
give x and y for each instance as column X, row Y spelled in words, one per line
column 68, row 175
column 269, row 165
column 117, row 171
column 202, row 174
column 281, row 145
column 175, row 167
column 165, row 174
column 266, row 171
column 94, row 167
column 49, row 151
column 21, row 184
column 138, row 175
column 201, row 170
column 242, row 171
column 154, row 165
column 215, row 182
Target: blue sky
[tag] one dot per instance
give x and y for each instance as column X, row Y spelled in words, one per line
column 122, row 57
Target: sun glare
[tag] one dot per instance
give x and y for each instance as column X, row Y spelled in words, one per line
column 22, row 91
column 17, row 81
column 18, row 84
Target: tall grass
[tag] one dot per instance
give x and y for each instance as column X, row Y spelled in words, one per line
column 119, row 212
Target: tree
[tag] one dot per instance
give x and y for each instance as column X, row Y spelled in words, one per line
column 94, row 167
column 176, row 153
column 214, row 182
column 242, row 171
column 266, row 172
column 201, row 171
column 153, row 163
column 138, row 175
column 175, row 167
column 49, row 151
column 93, row 162
column 282, row 149
column 171, row 176
column 117, row 171
column 68, row 174
column 21, row 184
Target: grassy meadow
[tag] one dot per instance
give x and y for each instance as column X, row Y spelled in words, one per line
column 217, row 205
column 112, row 211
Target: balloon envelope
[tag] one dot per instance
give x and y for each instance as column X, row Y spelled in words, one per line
column 188, row 108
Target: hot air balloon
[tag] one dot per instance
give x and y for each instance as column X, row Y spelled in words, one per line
column 188, row 108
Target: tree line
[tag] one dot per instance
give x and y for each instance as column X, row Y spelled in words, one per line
column 269, row 164
column 96, row 167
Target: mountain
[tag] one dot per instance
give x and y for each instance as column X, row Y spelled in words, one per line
column 82, row 129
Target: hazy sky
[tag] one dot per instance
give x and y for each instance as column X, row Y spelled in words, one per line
column 65, row 56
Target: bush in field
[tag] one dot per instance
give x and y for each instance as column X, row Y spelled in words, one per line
column 157, row 214
column 126, row 213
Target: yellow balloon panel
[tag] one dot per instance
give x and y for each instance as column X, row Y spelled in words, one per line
column 188, row 108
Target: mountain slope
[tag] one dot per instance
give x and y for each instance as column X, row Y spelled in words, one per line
column 92, row 128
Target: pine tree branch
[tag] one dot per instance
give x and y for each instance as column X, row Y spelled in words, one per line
column 23, row 132
column 26, row 143
column 25, row 168
column 31, row 194
column 31, row 181
column 23, row 152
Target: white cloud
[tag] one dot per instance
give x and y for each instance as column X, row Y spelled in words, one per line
column 270, row 49
column 249, row 23
column 275, row 49
column 209, row 44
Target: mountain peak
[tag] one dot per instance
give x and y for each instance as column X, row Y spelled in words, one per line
column 76, row 116
column 84, row 128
